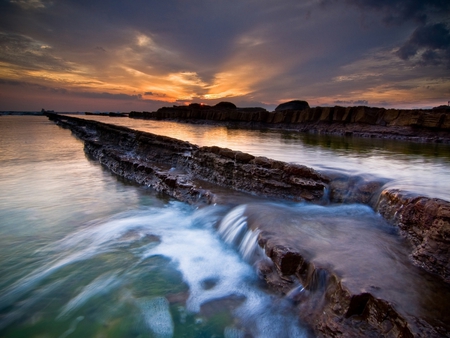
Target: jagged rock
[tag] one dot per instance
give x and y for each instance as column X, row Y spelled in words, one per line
column 324, row 290
column 426, row 223
column 354, row 189
column 155, row 155
column 334, row 307
column 292, row 105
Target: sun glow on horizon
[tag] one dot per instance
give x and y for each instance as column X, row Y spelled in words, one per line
column 128, row 74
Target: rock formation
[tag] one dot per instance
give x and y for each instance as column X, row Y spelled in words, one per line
column 293, row 105
column 426, row 223
column 225, row 105
column 372, row 295
column 197, row 175
column 431, row 125
column 173, row 166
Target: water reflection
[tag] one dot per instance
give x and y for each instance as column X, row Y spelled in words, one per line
column 417, row 167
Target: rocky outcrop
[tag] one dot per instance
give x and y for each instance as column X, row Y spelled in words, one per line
column 225, row 105
column 197, row 112
column 327, row 305
column 177, row 167
column 193, row 174
column 293, row 105
column 374, row 295
column 426, row 223
column 431, row 125
column 198, row 174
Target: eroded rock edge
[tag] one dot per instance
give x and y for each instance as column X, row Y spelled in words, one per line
column 173, row 167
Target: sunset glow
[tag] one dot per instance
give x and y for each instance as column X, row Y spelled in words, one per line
column 72, row 57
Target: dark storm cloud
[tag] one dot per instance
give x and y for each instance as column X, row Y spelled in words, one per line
column 431, row 36
column 28, row 53
column 399, row 11
column 201, row 31
column 34, row 86
column 250, row 51
column 433, row 40
column 73, row 32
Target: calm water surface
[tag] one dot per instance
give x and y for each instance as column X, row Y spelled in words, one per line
column 84, row 254
column 416, row 167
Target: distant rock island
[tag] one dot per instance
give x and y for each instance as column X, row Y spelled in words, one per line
column 421, row 125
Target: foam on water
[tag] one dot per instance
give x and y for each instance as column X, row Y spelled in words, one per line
column 157, row 316
column 189, row 239
column 232, row 332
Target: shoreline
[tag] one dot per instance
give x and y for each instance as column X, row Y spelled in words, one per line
column 181, row 169
column 432, row 125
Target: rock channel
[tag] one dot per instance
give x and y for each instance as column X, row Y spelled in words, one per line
column 197, row 174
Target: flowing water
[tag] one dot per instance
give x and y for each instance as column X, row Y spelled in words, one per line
column 85, row 254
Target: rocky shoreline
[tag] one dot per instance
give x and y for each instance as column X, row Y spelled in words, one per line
column 419, row 125
column 196, row 174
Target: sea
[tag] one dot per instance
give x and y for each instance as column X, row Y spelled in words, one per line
column 84, row 253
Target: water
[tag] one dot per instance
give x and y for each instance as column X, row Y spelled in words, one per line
column 416, row 167
column 85, row 254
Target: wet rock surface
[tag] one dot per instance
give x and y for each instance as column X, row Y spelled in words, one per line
column 426, row 223
column 183, row 170
column 348, row 272
column 336, row 305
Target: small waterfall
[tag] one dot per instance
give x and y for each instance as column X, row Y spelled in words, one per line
column 234, row 230
column 233, row 226
column 249, row 247
column 326, row 198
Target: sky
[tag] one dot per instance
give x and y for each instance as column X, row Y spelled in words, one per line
column 92, row 55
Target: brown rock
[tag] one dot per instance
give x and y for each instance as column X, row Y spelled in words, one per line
column 426, row 223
